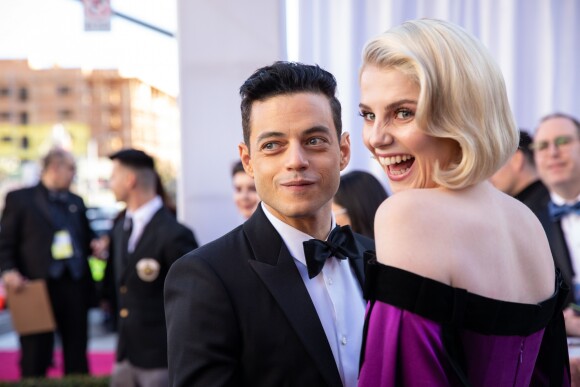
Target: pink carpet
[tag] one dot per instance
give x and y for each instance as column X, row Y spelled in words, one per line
column 100, row 363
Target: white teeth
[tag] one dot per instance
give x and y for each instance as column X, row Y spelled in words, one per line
column 386, row 161
column 399, row 172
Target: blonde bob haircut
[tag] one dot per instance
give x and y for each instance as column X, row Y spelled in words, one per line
column 462, row 94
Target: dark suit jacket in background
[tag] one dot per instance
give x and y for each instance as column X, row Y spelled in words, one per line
column 536, row 196
column 27, row 231
column 142, row 335
column 26, row 235
column 239, row 314
column 561, row 256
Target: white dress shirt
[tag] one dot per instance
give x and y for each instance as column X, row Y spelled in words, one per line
column 337, row 297
column 141, row 217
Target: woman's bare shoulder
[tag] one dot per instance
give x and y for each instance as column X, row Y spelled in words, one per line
column 412, row 231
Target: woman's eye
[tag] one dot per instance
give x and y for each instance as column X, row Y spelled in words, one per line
column 367, row 116
column 403, row 114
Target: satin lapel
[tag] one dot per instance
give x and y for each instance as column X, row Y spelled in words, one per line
column 363, row 244
column 560, row 251
column 358, row 266
column 118, row 252
column 42, row 202
column 276, row 268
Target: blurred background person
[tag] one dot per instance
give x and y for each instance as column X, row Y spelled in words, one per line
column 356, row 201
column 518, row 178
column 45, row 234
column 557, row 156
column 144, row 243
column 245, row 196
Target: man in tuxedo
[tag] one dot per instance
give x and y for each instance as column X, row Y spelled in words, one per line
column 145, row 241
column 518, row 178
column 557, row 156
column 246, row 309
column 45, row 234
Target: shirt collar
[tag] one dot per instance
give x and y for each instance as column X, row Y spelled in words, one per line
column 292, row 237
column 144, row 213
column 560, row 201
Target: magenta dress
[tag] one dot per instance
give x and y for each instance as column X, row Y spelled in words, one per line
column 420, row 332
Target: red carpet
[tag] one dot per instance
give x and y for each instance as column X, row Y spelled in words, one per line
column 100, row 363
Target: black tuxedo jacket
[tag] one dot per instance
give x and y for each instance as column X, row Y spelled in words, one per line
column 27, row 232
column 536, row 196
column 142, row 337
column 561, row 256
column 239, row 314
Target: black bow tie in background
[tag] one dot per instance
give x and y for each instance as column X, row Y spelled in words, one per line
column 340, row 244
column 557, row 212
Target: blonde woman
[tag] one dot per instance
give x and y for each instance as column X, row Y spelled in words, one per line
column 463, row 290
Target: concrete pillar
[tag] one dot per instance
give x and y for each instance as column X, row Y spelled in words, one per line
column 221, row 42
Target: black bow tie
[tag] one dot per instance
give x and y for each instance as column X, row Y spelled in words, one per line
column 340, row 244
column 557, row 212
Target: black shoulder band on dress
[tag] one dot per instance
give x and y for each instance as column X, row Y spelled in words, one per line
column 444, row 304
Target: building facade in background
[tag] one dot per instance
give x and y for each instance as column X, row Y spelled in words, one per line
column 91, row 112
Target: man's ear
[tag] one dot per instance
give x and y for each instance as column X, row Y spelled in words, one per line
column 246, row 158
column 518, row 160
column 344, row 150
column 131, row 179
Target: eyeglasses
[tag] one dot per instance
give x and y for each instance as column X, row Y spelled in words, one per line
column 559, row 141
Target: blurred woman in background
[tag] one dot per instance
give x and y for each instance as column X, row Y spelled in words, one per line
column 356, row 201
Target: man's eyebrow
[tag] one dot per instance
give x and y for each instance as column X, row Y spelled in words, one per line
column 272, row 134
column 317, row 129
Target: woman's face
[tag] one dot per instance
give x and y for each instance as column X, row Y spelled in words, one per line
column 388, row 105
column 245, row 195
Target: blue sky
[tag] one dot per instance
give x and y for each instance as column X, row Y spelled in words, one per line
column 51, row 32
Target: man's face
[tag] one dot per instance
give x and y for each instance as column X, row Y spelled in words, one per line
column 295, row 156
column 557, row 156
column 63, row 172
column 120, row 181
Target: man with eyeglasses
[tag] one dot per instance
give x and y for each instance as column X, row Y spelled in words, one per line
column 557, row 155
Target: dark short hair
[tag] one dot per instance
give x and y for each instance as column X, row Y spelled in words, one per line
column 361, row 194
column 283, row 78
column 237, row 168
column 134, row 158
column 525, row 146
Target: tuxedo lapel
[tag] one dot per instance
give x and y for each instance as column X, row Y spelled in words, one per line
column 276, row 268
column 560, row 251
column 358, row 267
column 41, row 200
column 119, row 250
column 358, row 264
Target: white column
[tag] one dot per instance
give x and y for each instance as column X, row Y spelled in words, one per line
column 221, row 43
